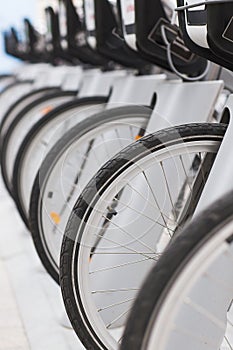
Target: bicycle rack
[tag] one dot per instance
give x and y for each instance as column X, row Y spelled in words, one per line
column 123, row 90
column 121, row 86
column 97, row 83
column 56, row 77
column 136, row 90
column 183, row 107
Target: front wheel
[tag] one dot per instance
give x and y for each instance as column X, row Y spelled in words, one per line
column 187, row 297
column 69, row 166
column 122, row 222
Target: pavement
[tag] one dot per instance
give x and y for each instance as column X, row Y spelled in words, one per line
column 32, row 315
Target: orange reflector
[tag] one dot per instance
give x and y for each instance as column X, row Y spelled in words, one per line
column 138, row 137
column 56, row 218
column 47, row 110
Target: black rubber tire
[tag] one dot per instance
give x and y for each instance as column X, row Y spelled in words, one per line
column 55, row 113
column 164, row 274
column 78, row 131
column 14, row 124
column 35, row 93
column 9, row 95
column 82, row 210
column 6, row 76
column 14, row 84
column 6, row 81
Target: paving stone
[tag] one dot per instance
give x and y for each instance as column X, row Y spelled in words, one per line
column 31, row 306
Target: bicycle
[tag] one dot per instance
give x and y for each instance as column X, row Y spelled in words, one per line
column 196, row 268
column 48, row 214
column 111, row 225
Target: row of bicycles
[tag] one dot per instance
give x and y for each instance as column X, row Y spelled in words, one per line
column 116, row 138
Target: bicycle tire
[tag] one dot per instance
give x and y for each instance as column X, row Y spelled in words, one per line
column 17, row 119
column 42, row 123
column 60, row 148
column 12, row 93
column 73, row 249
column 20, row 103
column 163, row 277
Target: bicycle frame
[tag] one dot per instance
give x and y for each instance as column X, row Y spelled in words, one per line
column 220, row 179
column 182, row 109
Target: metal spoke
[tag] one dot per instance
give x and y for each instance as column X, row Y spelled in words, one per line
column 118, row 266
column 122, row 253
column 74, row 184
column 118, row 318
column 115, row 290
column 119, row 341
column 185, row 172
column 231, row 324
column 168, row 188
column 202, row 173
column 146, row 216
column 119, row 138
column 157, row 204
column 126, row 247
column 116, row 304
column 99, row 163
column 128, row 233
column 157, row 207
column 132, row 133
column 202, row 311
column 105, row 146
column 228, row 342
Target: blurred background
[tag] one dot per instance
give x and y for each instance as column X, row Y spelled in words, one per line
column 12, row 13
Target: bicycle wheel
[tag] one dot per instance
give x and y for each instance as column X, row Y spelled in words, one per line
column 12, row 93
column 68, row 168
column 40, row 139
column 21, row 125
column 6, row 81
column 187, row 297
column 122, row 222
column 20, row 104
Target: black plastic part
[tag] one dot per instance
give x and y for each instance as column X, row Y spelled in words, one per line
column 201, row 51
column 220, row 30
column 55, row 41
column 76, row 38
column 109, row 40
column 150, row 15
column 37, row 52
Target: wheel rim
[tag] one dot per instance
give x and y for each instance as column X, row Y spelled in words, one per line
column 83, row 246
column 205, row 297
column 52, row 229
column 23, row 126
column 42, row 143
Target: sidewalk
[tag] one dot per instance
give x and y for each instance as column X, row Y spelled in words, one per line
column 31, row 307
